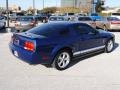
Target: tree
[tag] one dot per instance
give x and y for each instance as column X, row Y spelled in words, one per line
column 118, row 11
column 99, row 6
column 30, row 11
column 19, row 8
column 69, row 10
column 49, row 10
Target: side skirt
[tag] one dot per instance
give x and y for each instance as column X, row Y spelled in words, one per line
column 93, row 52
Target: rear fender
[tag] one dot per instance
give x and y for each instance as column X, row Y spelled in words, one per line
column 56, row 50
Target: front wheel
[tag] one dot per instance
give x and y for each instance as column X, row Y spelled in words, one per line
column 62, row 60
column 109, row 46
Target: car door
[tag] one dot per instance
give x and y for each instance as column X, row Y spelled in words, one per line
column 89, row 39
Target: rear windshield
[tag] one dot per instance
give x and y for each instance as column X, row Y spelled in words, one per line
column 25, row 19
column 113, row 19
column 56, row 19
column 48, row 29
column 84, row 19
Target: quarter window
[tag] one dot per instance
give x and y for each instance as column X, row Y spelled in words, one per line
column 84, row 29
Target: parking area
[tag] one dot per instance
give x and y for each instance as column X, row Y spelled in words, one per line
column 99, row 72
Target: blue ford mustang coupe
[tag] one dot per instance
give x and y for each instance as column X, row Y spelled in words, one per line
column 57, row 43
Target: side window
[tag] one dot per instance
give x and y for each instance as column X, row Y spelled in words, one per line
column 84, row 29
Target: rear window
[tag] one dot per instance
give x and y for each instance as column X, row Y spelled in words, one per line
column 113, row 19
column 48, row 29
column 56, row 19
column 84, row 19
column 25, row 19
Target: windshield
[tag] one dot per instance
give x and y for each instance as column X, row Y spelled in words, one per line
column 47, row 29
column 25, row 19
column 56, row 19
column 113, row 19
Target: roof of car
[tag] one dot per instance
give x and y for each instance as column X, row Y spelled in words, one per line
column 56, row 16
column 26, row 16
column 66, row 23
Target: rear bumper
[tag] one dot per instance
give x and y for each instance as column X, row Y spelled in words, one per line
column 115, row 27
column 27, row 56
column 23, row 27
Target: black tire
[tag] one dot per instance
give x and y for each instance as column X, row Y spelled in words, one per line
column 109, row 46
column 57, row 61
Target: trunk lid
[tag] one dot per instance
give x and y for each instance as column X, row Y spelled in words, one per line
column 19, row 39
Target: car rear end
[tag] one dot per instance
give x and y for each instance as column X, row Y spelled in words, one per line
column 24, row 47
column 25, row 23
column 86, row 20
column 117, row 15
column 56, row 19
column 114, row 23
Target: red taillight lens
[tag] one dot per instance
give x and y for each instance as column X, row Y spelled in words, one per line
column 115, row 22
column 31, row 24
column 16, row 24
column 29, row 46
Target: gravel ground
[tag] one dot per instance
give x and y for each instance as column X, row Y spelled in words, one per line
column 99, row 72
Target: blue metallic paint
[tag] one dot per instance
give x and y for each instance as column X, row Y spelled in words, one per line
column 48, row 47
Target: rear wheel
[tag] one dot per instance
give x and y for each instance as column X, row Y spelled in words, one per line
column 62, row 60
column 109, row 46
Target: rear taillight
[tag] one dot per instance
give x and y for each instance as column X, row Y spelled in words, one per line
column 31, row 24
column 29, row 46
column 16, row 24
column 115, row 22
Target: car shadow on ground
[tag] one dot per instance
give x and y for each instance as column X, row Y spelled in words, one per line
column 79, row 59
column 115, row 46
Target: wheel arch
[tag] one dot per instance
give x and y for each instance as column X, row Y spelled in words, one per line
column 56, row 51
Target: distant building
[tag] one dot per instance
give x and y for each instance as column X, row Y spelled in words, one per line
column 111, row 10
column 83, row 5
